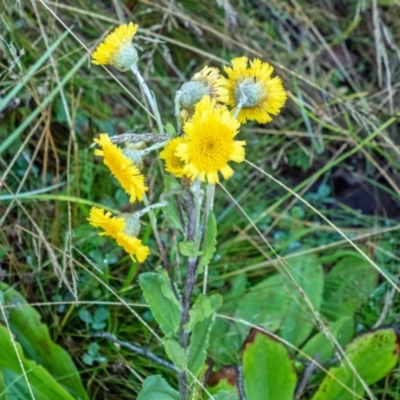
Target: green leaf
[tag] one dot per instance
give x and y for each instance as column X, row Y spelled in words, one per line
column 342, row 330
column 348, row 286
column 155, row 387
column 201, row 319
column 175, row 353
column 224, row 395
column 210, row 243
column 42, row 384
column 100, row 315
column 202, row 308
column 170, row 210
column 171, row 183
column 226, row 337
column 190, row 249
column 165, row 307
column 3, row 394
column 170, row 129
column 277, row 304
column 268, row 371
column 373, row 355
column 298, row 319
column 171, row 214
column 34, row 337
column 85, row 316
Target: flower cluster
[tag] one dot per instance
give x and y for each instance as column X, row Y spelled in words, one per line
column 208, row 144
column 212, row 108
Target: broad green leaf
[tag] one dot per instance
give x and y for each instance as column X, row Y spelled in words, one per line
column 373, row 355
column 348, row 286
column 264, row 303
column 42, row 384
column 158, row 293
column 268, row 370
column 202, row 308
column 189, row 249
column 34, row 337
column 277, row 304
column 200, row 336
column 155, row 387
column 210, row 243
column 298, row 319
column 320, row 345
column 175, row 353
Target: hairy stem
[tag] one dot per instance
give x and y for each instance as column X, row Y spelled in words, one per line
column 193, row 202
column 153, row 222
column 150, row 98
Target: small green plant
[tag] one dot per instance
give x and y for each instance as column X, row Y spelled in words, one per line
column 92, row 355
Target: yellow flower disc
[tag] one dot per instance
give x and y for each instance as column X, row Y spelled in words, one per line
column 210, row 143
column 261, row 95
column 129, row 176
column 117, row 48
column 173, row 164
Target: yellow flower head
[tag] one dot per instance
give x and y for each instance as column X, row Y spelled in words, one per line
column 114, row 227
column 117, row 48
column 133, row 246
column 206, row 82
column 210, row 143
column 173, row 164
column 101, row 219
column 122, row 168
column 253, row 88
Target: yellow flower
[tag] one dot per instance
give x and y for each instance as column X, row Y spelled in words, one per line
column 133, row 246
column 252, row 88
column 210, row 143
column 117, row 48
column 101, row 219
column 114, row 227
column 205, row 82
column 173, row 164
column 122, row 168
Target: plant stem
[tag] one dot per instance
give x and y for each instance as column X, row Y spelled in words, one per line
column 153, row 222
column 210, row 195
column 178, row 111
column 193, row 203
column 150, row 98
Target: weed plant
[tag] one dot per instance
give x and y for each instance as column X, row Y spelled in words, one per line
column 300, row 282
